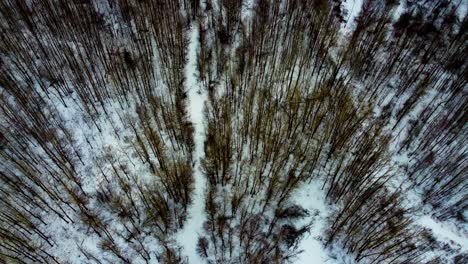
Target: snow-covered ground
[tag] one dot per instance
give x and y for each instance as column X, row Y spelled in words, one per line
column 353, row 8
column 445, row 232
column 110, row 136
column 312, row 198
column 188, row 236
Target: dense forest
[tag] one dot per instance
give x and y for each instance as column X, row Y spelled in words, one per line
column 234, row 131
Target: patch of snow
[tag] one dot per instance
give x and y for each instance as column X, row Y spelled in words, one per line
column 354, row 8
column 312, row 198
column 399, row 10
column 444, row 232
column 188, row 236
column 462, row 9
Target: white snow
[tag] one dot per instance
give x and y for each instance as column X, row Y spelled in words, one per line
column 462, row 9
column 444, row 232
column 188, row 236
column 312, row 197
column 354, row 8
column 399, row 11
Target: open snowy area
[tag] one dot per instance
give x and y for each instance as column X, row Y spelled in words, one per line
column 234, row 131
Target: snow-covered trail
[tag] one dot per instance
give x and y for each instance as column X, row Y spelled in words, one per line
column 188, row 236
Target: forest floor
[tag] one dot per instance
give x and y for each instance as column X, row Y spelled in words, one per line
column 310, row 196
